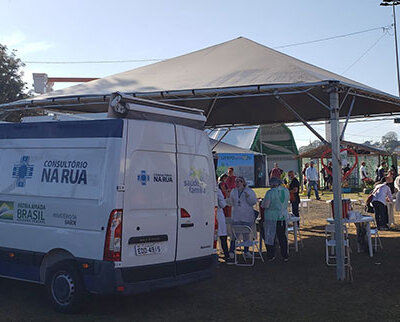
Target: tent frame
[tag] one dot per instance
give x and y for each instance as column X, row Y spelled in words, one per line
column 331, row 87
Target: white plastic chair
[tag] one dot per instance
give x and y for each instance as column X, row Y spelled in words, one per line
column 330, row 249
column 375, row 234
column 245, row 236
column 290, row 230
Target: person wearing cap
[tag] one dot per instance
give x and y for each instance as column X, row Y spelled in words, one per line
column 242, row 199
column 275, row 204
column 312, row 178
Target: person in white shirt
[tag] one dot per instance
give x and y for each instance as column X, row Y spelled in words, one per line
column 397, row 186
column 312, row 178
column 363, row 174
column 222, row 231
column 381, row 194
column 242, row 199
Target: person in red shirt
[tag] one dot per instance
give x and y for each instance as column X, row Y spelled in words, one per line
column 276, row 171
column 231, row 180
column 231, row 183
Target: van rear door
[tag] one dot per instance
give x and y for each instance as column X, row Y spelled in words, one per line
column 196, row 188
column 150, row 201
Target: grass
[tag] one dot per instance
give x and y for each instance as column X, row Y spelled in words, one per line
column 325, row 195
column 304, row 289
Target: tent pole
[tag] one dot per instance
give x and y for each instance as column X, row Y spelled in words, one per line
column 347, row 118
column 222, row 137
column 337, row 186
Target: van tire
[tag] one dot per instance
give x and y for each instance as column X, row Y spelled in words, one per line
column 65, row 287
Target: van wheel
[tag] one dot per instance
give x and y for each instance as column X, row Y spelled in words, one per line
column 65, row 287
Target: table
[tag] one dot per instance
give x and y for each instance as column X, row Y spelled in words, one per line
column 356, row 219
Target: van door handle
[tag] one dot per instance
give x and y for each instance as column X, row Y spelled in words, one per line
column 187, row 225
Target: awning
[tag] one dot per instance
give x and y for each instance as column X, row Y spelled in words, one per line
column 239, row 82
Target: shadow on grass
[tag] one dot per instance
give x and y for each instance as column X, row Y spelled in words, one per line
column 302, row 289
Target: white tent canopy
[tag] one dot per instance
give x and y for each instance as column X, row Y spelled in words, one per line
column 242, row 74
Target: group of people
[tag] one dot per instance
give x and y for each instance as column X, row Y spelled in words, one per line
column 387, row 186
column 237, row 200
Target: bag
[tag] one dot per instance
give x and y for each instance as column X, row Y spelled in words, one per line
column 368, row 207
column 292, row 196
column 369, row 199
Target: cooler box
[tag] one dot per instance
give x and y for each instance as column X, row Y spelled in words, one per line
column 346, row 207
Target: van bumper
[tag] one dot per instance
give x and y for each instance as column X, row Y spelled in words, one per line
column 104, row 278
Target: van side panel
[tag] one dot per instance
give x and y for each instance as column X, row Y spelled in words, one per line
column 196, row 189
column 54, row 191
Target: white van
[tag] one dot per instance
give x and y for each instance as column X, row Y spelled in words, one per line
column 120, row 205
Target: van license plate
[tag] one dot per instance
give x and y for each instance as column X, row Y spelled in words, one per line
column 146, row 249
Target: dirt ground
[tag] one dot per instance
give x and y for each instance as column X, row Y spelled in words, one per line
column 303, row 289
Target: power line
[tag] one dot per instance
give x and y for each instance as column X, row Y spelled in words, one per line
column 350, row 121
column 366, row 52
column 94, row 61
column 384, row 28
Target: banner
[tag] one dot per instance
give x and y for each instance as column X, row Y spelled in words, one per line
column 243, row 163
column 53, row 172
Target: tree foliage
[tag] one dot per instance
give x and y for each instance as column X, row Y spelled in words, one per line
column 309, row 147
column 390, row 141
column 12, row 87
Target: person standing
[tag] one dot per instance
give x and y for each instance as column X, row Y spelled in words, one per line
column 324, row 175
column 276, row 171
column 363, row 174
column 397, row 186
column 231, row 180
column 380, row 172
column 275, row 215
column 330, row 178
column 304, row 175
column 222, row 231
column 312, row 178
column 294, row 186
column 380, row 195
column 242, row 199
column 223, row 185
column 231, row 184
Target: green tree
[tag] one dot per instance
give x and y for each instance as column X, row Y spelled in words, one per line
column 12, row 87
column 312, row 145
column 390, row 141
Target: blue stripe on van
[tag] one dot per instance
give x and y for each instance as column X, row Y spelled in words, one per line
column 62, row 129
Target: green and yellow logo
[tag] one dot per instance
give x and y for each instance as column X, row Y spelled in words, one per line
column 6, row 210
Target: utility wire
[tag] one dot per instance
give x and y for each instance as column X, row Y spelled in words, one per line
column 384, row 28
column 93, row 61
column 366, row 52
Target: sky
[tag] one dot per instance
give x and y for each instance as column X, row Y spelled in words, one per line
column 88, row 30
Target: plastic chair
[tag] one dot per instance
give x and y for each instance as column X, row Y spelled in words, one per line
column 330, row 249
column 377, row 240
column 290, row 229
column 245, row 236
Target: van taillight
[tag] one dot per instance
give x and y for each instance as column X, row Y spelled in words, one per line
column 184, row 213
column 112, row 246
column 215, row 228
